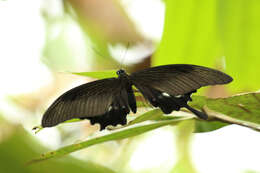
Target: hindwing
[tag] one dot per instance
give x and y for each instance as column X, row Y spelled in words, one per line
column 169, row 87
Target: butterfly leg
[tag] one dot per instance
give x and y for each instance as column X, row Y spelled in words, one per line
column 200, row 114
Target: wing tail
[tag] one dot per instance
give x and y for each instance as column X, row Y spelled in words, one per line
column 199, row 114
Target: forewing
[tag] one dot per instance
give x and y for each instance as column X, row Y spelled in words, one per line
column 87, row 100
column 178, row 79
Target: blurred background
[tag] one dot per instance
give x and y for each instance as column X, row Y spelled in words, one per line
column 43, row 41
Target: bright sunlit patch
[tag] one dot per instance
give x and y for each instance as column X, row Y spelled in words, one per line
column 132, row 54
column 148, row 16
column 50, row 137
column 230, row 149
column 22, row 38
column 156, row 151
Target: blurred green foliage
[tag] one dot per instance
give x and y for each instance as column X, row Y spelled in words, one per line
column 19, row 147
column 215, row 33
column 183, row 141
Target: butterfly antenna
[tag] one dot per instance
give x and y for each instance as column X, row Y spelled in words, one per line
column 121, row 64
column 97, row 52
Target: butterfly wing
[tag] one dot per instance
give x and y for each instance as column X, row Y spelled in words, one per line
column 97, row 101
column 169, row 87
column 179, row 79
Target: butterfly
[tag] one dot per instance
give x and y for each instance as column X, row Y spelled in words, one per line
column 108, row 101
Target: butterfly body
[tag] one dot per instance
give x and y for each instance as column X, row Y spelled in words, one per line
column 108, row 101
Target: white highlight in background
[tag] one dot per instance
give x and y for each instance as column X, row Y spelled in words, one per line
column 156, row 151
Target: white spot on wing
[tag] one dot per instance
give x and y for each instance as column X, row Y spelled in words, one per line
column 178, row 96
column 166, row 94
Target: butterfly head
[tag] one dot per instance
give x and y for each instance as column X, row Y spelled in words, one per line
column 120, row 72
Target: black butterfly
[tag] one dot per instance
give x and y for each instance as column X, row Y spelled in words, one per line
column 108, row 101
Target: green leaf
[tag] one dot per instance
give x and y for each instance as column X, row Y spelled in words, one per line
column 240, row 109
column 201, row 125
column 150, row 115
column 208, row 126
column 98, row 75
column 155, row 114
column 115, row 135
